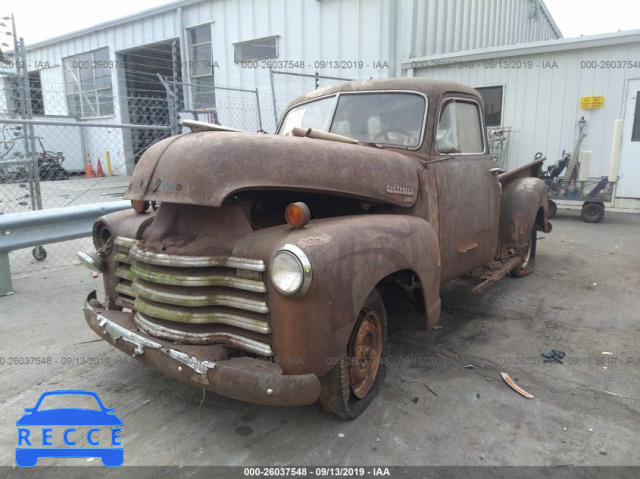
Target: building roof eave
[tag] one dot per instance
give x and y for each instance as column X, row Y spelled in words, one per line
column 533, row 48
column 113, row 23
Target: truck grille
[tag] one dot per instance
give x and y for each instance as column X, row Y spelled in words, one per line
column 195, row 299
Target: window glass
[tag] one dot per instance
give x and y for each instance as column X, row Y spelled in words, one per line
column 201, row 63
column 385, row 118
column 316, row 115
column 35, row 87
column 492, row 98
column 382, row 118
column 635, row 130
column 201, row 34
column 201, row 67
column 460, row 128
column 257, row 49
column 88, row 84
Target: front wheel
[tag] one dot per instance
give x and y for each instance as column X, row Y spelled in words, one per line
column 350, row 386
column 553, row 208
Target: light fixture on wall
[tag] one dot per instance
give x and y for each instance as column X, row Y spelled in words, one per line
column 581, row 123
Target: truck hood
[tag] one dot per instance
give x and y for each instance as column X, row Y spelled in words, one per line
column 204, row 168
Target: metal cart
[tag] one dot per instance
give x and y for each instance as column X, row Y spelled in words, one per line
column 592, row 193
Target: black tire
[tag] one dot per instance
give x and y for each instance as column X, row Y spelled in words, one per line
column 339, row 395
column 553, row 209
column 592, row 212
column 528, row 264
column 39, row 253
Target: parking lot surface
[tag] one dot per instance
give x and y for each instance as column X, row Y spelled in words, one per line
column 443, row 403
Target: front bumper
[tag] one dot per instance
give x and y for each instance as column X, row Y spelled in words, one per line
column 242, row 378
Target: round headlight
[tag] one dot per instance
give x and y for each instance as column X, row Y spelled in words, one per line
column 102, row 238
column 290, row 271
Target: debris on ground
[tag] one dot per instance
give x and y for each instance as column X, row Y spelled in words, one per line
column 515, row 387
column 469, row 366
column 554, row 356
column 432, row 391
column 407, row 379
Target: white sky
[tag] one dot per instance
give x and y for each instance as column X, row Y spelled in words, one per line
column 38, row 20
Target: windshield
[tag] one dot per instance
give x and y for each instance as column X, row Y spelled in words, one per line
column 386, row 118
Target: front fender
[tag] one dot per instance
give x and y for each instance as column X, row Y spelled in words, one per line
column 524, row 205
column 348, row 257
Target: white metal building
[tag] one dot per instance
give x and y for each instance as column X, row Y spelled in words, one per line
column 233, row 43
column 536, row 90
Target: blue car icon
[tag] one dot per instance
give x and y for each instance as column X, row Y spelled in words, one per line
column 28, row 456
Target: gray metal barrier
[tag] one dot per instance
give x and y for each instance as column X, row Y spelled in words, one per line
column 36, row 228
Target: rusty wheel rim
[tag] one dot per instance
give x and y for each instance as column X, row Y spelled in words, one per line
column 364, row 354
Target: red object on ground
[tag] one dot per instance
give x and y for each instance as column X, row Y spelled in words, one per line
column 99, row 172
column 88, row 169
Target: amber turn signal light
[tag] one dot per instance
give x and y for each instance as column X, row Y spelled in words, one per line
column 297, row 214
column 140, row 206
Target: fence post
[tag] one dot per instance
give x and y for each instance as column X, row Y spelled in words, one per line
column 273, row 97
column 5, row 275
column 83, row 141
column 29, row 134
column 171, row 104
column 259, row 114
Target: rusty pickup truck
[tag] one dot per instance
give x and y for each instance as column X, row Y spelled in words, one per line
column 251, row 265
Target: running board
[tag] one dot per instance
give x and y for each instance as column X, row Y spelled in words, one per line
column 494, row 275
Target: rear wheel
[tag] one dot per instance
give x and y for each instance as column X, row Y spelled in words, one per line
column 528, row 264
column 553, row 209
column 592, row 212
column 351, row 385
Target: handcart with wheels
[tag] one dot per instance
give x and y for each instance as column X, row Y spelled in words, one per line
column 593, row 194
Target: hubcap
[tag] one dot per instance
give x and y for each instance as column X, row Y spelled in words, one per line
column 364, row 354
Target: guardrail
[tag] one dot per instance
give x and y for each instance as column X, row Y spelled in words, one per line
column 36, row 228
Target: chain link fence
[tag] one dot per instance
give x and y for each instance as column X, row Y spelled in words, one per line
column 76, row 141
column 287, row 86
column 59, row 149
column 233, row 107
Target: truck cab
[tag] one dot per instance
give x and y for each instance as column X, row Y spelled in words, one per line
column 251, row 265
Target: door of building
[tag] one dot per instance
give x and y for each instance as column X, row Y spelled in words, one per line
column 629, row 185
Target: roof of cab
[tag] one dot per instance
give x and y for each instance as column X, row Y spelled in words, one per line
column 431, row 87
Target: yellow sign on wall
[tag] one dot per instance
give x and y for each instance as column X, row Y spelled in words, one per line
column 590, row 102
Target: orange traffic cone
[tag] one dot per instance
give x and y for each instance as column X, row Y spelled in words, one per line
column 99, row 172
column 88, row 168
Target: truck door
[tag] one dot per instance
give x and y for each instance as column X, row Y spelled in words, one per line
column 468, row 191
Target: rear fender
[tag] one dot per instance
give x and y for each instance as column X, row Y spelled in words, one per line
column 524, row 205
column 349, row 256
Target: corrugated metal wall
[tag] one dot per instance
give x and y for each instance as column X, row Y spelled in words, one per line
column 542, row 102
column 446, row 26
column 316, row 31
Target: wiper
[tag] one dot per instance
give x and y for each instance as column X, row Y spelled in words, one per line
column 322, row 135
column 195, row 125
